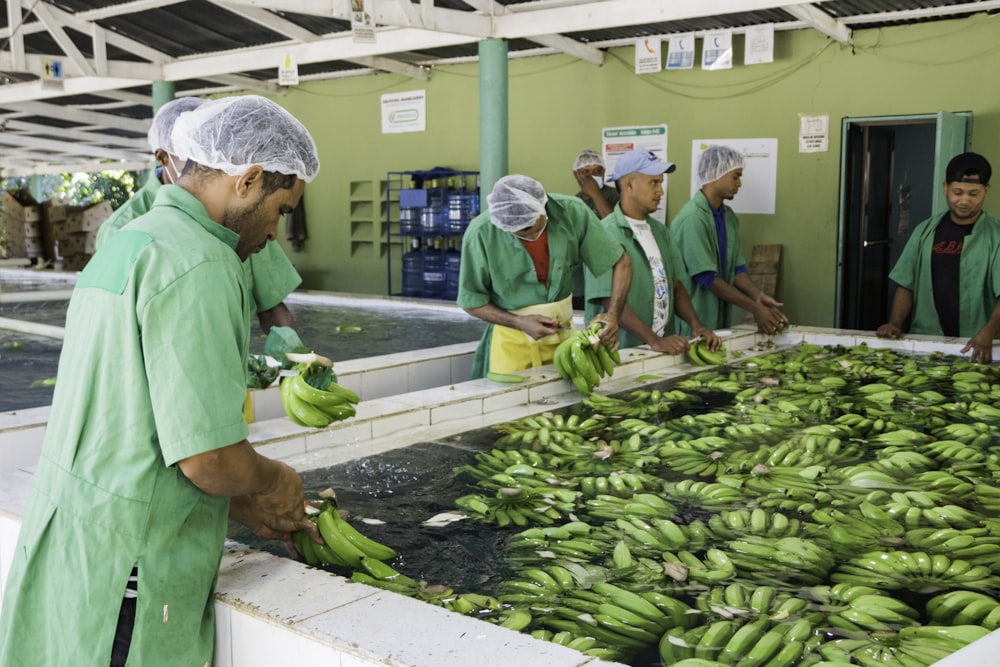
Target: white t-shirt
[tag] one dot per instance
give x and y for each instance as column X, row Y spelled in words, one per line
column 661, row 288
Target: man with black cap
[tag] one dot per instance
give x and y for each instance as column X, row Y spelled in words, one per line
column 656, row 292
column 948, row 276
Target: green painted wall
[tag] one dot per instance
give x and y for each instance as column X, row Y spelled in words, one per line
column 558, row 106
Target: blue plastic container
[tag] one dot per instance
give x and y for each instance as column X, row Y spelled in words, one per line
column 452, row 263
column 413, row 271
column 458, row 211
column 409, row 221
column 433, row 274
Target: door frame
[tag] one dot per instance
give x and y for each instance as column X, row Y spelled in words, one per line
column 949, row 138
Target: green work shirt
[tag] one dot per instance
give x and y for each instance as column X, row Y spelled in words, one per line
column 497, row 269
column 979, row 276
column 152, row 371
column 693, row 232
column 269, row 271
column 640, row 293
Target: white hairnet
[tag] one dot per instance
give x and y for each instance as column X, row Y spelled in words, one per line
column 164, row 119
column 516, row 202
column 717, row 161
column 588, row 158
column 233, row 134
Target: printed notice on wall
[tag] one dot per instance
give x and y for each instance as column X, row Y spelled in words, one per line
column 814, row 134
column 362, row 23
column 759, row 46
column 404, row 112
column 717, row 50
column 288, row 71
column 760, row 170
column 680, row 52
column 615, row 141
column 647, row 56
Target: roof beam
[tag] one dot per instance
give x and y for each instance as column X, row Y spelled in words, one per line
column 12, row 126
column 17, row 168
column 821, row 21
column 41, row 10
column 247, row 83
column 81, row 116
column 394, row 66
column 67, row 148
column 924, row 12
column 16, row 38
column 338, row 47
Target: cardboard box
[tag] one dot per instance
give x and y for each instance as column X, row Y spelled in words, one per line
column 33, row 247
column 53, row 211
column 75, row 262
column 72, row 244
column 33, row 229
column 88, row 219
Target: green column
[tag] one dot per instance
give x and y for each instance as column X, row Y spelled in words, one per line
column 492, row 114
column 163, row 92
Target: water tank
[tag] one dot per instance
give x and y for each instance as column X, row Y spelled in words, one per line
column 452, row 262
column 413, row 271
column 434, row 271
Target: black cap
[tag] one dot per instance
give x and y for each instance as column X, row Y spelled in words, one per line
column 968, row 168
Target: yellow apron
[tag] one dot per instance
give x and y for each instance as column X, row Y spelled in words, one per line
column 513, row 350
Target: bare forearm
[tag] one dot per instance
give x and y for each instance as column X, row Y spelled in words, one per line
column 992, row 326
column 684, row 308
column 601, row 204
column 902, row 305
column 621, row 280
column 279, row 316
column 632, row 323
column 733, row 295
column 235, row 470
column 495, row 315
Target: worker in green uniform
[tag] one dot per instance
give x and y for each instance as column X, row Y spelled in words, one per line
column 589, row 172
column 948, row 275
column 145, row 453
column 271, row 274
column 516, row 274
column 656, row 293
column 707, row 233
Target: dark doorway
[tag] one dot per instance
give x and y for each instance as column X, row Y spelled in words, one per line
column 892, row 169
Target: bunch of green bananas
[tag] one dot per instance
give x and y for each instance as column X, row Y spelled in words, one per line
column 700, row 355
column 312, row 397
column 913, row 646
column 964, row 608
column 584, row 360
column 917, row 571
column 520, row 505
column 344, row 546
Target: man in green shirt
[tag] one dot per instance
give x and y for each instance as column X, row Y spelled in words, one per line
column 270, row 273
column 656, row 292
column 516, row 274
column 948, row 275
column 146, row 454
column 707, row 233
column 589, row 172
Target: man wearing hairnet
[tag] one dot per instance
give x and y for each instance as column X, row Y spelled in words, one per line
column 588, row 170
column 657, row 291
column 518, row 259
column 707, row 233
column 271, row 275
column 146, row 454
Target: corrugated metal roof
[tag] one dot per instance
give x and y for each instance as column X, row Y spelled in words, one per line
column 218, row 46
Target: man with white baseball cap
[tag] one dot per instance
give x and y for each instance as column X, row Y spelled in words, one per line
column 656, row 293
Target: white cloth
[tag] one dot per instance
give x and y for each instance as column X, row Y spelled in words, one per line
column 661, row 286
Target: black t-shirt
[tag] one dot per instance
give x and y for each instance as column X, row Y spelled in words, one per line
column 945, row 258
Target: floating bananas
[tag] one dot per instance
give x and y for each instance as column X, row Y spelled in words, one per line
column 700, row 355
column 584, row 360
column 308, row 405
column 345, row 546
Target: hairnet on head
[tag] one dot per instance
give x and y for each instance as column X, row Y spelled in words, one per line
column 588, row 158
column 163, row 121
column 717, row 161
column 233, row 134
column 516, row 202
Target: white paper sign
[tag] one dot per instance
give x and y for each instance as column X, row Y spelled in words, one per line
column 717, row 50
column 814, row 134
column 647, row 56
column 404, row 112
column 759, row 46
column 680, row 52
column 288, row 71
column 760, row 170
column 362, row 23
column 616, row 141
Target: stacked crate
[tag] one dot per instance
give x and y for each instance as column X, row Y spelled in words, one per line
column 75, row 232
column 22, row 225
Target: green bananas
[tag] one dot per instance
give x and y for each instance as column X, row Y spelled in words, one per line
column 345, row 546
column 584, row 360
column 700, row 355
column 310, row 406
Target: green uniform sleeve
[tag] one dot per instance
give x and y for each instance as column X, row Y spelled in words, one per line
column 192, row 355
column 904, row 272
column 474, row 282
column 697, row 246
column 273, row 275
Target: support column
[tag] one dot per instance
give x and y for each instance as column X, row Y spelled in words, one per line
column 163, row 92
column 492, row 114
